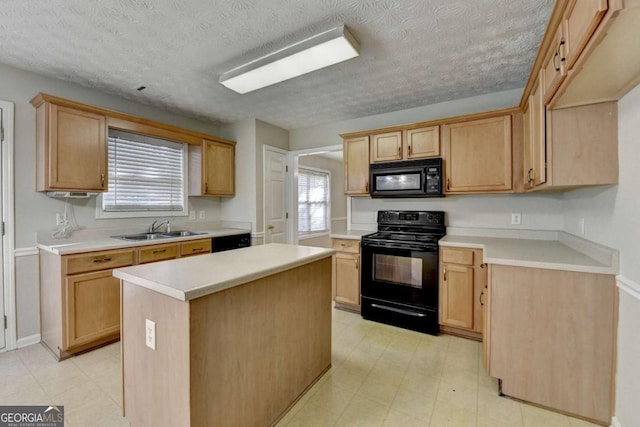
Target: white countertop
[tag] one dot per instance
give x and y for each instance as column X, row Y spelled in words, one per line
column 70, row 246
column 350, row 234
column 189, row 278
column 545, row 254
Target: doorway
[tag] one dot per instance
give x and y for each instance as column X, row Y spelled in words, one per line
column 7, row 299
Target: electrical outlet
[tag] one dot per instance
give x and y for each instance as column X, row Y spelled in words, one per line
column 201, row 215
column 581, row 225
column 60, row 218
column 192, row 215
column 516, row 219
column 150, row 336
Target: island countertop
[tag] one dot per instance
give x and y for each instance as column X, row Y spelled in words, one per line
column 193, row 277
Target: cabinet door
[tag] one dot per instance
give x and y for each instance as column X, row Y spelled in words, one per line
column 347, row 279
column 457, row 296
column 92, row 308
column 77, row 150
column 554, row 66
column 218, row 168
column 356, row 166
column 580, row 21
column 538, row 145
column 386, row 147
column 423, row 142
column 480, row 290
column 477, row 155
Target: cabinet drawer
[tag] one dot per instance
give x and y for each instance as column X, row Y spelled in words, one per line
column 195, row 247
column 457, row 256
column 95, row 261
column 158, row 253
column 346, row 245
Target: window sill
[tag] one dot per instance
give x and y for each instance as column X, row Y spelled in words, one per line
column 313, row 236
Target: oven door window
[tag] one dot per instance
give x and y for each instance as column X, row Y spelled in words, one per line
column 398, row 270
column 407, row 181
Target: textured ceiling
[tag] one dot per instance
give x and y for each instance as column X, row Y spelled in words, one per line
column 413, row 52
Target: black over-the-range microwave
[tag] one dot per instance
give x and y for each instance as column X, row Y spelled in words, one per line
column 413, row 178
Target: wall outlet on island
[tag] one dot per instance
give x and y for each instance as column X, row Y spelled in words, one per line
column 516, row 219
column 150, row 335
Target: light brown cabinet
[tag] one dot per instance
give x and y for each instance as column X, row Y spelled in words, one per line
column 409, row 144
column 535, row 149
column 554, row 66
column 462, row 282
column 356, row 166
column 92, row 308
column 552, row 338
column 80, row 299
column 386, row 147
column 71, row 148
column 212, row 169
column 477, row 155
column 422, row 142
column 346, row 274
column 580, row 20
column 195, row 247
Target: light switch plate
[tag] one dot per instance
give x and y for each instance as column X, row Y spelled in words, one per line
column 150, row 335
column 201, row 214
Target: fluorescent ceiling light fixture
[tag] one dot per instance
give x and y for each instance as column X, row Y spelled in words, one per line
column 316, row 52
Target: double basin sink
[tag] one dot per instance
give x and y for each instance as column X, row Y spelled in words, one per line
column 156, row 236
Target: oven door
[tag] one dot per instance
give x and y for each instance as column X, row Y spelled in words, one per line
column 400, row 273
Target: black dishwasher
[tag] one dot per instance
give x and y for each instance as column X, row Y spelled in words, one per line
column 226, row 243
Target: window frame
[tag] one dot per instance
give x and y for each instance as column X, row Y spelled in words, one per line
column 314, row 234
column 102, row 214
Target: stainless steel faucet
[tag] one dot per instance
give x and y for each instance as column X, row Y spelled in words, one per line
column 153, row 227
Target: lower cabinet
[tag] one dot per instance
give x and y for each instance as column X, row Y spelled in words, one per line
column 463, row 278
column 93, row 308
column 80, row 299
column 346, row 274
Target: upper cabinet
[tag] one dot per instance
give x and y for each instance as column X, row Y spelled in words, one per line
column 212, row 168
column 406, row 144
column 356, row 166
column 477, row 155
column 71, row 148
column 581, row 19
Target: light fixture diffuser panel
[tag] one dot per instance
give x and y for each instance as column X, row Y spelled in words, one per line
column 317, row 52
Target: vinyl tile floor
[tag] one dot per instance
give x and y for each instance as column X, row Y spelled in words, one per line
column 380, row 376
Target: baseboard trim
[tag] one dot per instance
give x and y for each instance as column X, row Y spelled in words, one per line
column 18, row 252
column 27, row 341
column 629, row 286
column 615, row 422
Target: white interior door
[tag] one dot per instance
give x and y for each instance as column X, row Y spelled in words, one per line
column 275, row 200
column 3, row 120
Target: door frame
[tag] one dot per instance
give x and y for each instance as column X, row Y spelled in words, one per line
column 293, row 200
column 8, row 240
column 288, row 191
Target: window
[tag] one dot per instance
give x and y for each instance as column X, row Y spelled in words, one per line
column 146, row 177
column 313, row 201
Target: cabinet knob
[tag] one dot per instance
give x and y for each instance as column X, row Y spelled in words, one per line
column 102, row 179
column 270, row 227
column 481, row 295
column 356, row 262
column 100, row 260
column 206, row 188
column 409, row 146
column 445, row 274
column 159, row 251
column 399, row 151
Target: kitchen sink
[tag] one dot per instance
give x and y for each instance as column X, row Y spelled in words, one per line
column 154, row 236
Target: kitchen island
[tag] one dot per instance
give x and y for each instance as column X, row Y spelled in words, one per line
column 237, row 338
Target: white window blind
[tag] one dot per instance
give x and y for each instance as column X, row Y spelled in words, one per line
column 145, row 174
column 313, row 201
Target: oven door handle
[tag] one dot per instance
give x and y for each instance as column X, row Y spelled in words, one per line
column 398, row 310
column 429, row 248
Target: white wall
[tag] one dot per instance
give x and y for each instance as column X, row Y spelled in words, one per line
column 539, row 212
column 612, row 218
column 34, row 211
